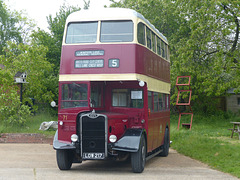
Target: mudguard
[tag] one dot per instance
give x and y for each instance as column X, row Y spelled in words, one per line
column 130, row 141
column 60, row 145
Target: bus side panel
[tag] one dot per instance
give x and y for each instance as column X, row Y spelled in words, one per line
column 151, row 64
column 157, row 123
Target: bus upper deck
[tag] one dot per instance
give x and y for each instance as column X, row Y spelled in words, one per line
column 123, row 46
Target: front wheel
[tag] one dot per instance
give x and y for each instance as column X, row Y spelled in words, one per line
column 138, row 158
column 64, row 159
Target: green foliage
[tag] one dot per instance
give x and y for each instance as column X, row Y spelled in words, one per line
column 30, row 59
column 8, row 29
column 209, row 141
column 15, row 113
column 14, row 26
column 41, row 84
column 86, row 4
column 11, row 110
column 210, row 54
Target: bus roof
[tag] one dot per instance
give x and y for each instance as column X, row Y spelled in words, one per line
column 110, row 14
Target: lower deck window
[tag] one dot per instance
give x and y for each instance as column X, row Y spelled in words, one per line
column 132, row 98
column 74, row 95
column 158, row 101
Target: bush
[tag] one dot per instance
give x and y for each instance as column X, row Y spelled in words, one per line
column 11, row 110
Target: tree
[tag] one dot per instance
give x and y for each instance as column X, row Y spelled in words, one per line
column 211, row 52
column 32, row 60
column 86, row 4
column 53, row 40
column 14, row 26
column 11, row 111
column 8, row 29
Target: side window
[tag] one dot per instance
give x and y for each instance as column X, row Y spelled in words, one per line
column 164, row 101
column 132, row 98
column 160, row 99
column 163, row 49
column 159, row 46
column 156, row 102
column 119, row 97
column 149, row 38
column 141, row 33
column 150, row 103
column 154, row 42
column 136, row 100
column 166, row 51
column 167, row 101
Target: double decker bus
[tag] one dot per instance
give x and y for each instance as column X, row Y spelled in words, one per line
column 114, row 87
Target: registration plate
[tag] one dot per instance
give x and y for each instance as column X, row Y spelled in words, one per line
column 93, row 155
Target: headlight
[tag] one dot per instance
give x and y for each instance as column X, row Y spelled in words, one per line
column 74, row 138
column 113, row 138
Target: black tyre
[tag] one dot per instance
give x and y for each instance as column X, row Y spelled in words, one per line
column 64, row 159
column 138, row 159
column 166, row 144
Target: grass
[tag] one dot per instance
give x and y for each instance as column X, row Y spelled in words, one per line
column 209, row 141
column 32, row 125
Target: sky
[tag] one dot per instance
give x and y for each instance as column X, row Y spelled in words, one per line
column 38, row 10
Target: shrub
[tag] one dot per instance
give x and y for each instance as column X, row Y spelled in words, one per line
column 11, row 109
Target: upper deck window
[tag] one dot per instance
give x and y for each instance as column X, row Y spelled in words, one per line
column 141, row 33
column 149, row 38
column 154, row 42
column 116, row 31
column 82, row 32
column 159, row 46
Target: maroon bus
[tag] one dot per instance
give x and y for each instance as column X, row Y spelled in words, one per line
column 114, row 87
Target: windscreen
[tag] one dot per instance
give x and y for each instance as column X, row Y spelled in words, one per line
column 81, row 32
column 116, row 31
column 74, row 95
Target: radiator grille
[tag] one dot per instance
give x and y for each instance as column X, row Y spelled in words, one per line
column 93, row 134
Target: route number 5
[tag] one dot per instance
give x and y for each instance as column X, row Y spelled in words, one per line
column 113, row 63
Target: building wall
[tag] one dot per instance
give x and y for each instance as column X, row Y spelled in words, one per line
column 233, row 103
